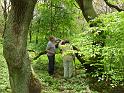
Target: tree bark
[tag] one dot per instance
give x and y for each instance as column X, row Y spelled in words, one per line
column 113, row 6
column 87, row 9
column 15, row 44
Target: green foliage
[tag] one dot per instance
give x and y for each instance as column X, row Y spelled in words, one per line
column 4, row 80
column 58, row 18
column 102, row 47
column 115, row 2
column 114, row 51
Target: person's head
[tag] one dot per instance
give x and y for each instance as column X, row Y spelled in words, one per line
column 64, row 42
column 52, row 38
column 67, row 41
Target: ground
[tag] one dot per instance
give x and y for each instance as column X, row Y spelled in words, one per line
column 57, row 84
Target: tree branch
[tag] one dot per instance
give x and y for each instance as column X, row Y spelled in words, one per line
column 76, row 6
column 41, row 53
column 87, row 9
column 79, row 56
column 113, row 6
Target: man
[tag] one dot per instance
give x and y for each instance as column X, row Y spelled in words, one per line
column 51, row 54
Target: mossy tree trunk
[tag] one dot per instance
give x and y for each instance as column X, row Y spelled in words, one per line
column 15, row 44
column 87, row 9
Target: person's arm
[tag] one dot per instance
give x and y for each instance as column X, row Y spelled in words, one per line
column 60, row 45
column 48, row 51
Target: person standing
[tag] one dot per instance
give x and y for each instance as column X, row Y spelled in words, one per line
column 50, row 49
column 68, row 55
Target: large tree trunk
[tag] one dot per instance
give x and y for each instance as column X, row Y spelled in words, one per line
column 87, row 9
column 14, row 47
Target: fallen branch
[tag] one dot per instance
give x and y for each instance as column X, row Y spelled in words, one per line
column 79, row 56
column 113, row 6
column 41, row 53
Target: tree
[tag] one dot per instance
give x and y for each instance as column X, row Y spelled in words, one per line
column 87, row 9
column 14, row 47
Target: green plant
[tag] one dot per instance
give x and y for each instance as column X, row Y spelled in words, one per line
column 102, row 47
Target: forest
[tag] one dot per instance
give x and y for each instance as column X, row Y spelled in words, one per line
column 40, row 40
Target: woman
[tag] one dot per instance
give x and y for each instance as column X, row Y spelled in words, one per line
column 68, row 55
column 51, row 54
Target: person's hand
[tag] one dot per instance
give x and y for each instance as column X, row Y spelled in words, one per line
column 62, row 41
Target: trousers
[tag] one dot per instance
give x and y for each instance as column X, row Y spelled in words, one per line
column 68, row 69
column 51, row 64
